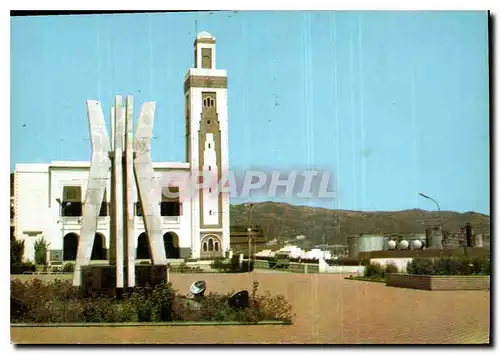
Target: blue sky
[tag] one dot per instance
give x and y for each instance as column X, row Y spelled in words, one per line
column 393, row 103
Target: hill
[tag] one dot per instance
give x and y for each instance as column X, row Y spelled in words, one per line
column 282, row 219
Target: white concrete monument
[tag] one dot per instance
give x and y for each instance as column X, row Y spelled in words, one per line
column 119, row 159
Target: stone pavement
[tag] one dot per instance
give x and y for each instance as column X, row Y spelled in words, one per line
column 328, row 308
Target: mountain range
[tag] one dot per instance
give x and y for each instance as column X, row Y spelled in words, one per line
column 285, row 221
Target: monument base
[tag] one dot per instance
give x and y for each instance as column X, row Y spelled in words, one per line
column 100, row 279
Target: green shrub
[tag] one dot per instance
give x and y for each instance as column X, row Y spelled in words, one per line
column 391, row 268
column 16, row 251
column 222, row 265
column 374, row 270
column 420, row 266
column 183, row 268
column 59, row 301
column 485, row 267
column 68, row 267
column 41, row 247
column 450, row 266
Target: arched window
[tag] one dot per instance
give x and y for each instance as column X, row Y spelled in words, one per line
column 70, row 247
column 99, row 247
column 205, row 246
column 216, row 246
column 142, row 250
column 211, row 244
column 171, row 244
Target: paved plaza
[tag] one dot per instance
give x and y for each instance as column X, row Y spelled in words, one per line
column 328, row 308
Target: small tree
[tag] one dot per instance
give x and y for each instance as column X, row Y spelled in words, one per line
column 420, row 266
column 41, row 247
column 391, row 268
column 16, row 251
column 374, row 270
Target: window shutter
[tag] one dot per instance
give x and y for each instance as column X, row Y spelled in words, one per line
column 72, row 194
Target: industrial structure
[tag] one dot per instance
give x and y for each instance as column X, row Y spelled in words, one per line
column 433, row 239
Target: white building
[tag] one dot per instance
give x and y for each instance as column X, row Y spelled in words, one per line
column 48, row 197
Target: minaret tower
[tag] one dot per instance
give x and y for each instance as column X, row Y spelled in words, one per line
column 205, row 90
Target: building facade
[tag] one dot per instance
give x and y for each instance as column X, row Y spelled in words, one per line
column 48, row 197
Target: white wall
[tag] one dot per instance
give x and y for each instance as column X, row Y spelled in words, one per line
column 401, row 263
column 32, row 217
column 325, row 268
column 37, row 212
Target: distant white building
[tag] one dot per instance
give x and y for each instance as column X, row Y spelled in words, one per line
column 48, row 197
column 297, row 252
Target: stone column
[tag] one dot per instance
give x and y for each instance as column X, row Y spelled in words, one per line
column 98, row 179
column 118, row 187
column 129, row 202
column 112, row 212
column 147, row 185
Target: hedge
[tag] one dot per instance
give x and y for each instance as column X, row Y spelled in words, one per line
column 36, row 301
column 450, row 266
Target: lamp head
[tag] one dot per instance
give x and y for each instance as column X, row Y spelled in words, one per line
column 423, row 195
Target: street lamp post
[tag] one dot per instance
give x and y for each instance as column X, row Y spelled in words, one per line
column 249, row 231
column 439, row 212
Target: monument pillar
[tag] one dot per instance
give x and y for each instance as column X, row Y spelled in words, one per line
column 122, row 159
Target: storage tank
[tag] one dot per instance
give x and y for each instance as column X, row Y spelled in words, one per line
column 435, row 238
column 367, row 243
column 391, row 245
column 352, row 245
column 478, row 242
column 403, row 245
column 422, row 238
column 416, row 244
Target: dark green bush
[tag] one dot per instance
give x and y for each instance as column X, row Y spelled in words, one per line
column 390, row 268
column 21, row 268
column 41, row 247
column 420, row 266
column 215, row 307
column 183, row 268
column 68, row 267
column 221, row 265
column 374, row 270
column 232, row 266
column 485, row 267
column 16, row 251
column 60, row 302
column 450, row 266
